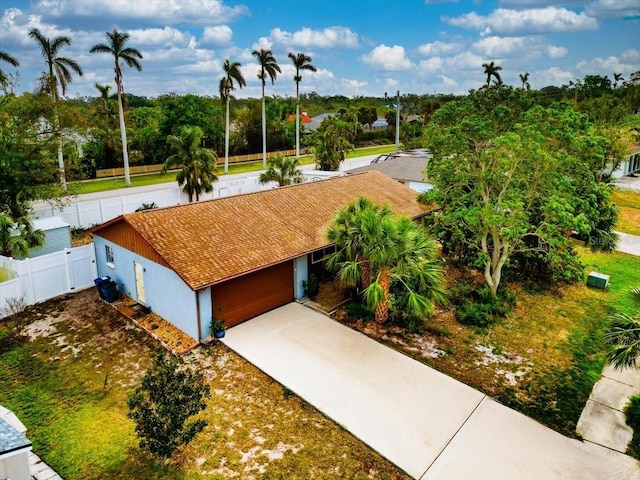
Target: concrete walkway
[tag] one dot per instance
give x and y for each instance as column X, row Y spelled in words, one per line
column 603, row 421
column 628, row 244
column 428, row 424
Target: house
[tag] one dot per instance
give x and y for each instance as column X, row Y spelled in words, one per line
column 234, row 257
column 14, row 447
column 379, row 124
column 628, row 167
column 408, row 170
column 57, row 235
column 304, row 118
column 317, row 121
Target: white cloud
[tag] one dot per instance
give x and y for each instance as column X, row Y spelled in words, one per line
column 627, row 64
column 331, row 37
column 166, row 37
column 439, row 48
column 169, row 12
column 540, row 20
column 614, row 8
column 556, row 52
column 216, row 36
column 465, row 61
column 530, row 47
column 552, row 76
column 262, row 43
column 431, row 65
column 390, row 59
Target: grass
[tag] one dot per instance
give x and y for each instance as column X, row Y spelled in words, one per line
column 106, row 184
column 629, row 214
column 6, row 274
column 70, row 372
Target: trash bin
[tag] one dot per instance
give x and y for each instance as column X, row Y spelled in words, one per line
column 100, row 283
column 108, row 291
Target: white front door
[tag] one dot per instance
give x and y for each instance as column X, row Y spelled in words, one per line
column 139, row 271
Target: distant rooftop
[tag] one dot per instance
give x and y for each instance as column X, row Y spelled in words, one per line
column 403, row 168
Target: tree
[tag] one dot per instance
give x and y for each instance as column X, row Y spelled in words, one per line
column 5, row 57
column 513, row 182
column 284, row 170
column 198, row 163
column 301, row 62
column 397, row 252
column 491, row 70
column 524, row 78
column 116, row 46
column 161, row 406
column 232, row 74
column 104, row 128
column 617, row 77
column 334, row 139
column 268, row 68
column 18, row 236
column 58, row 74
column 623, row 337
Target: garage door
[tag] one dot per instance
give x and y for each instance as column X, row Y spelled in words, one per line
column 246, row 297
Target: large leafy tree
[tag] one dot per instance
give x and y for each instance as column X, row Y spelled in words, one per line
column 268, row 68
column 491, row 70
column 198, row 163
column 232, row 77
column 164, row 403
column 284, row 170
column 5, row 57
column 514, row 181
column 301, row 62
column 117, row 46
column 396, row 251
column 105, row 127
column 334, row 139
column 57, row 76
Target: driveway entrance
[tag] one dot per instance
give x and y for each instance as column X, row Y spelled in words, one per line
column 428, row 424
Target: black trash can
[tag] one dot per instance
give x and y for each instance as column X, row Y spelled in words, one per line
column 108, row 291
column 101, row 283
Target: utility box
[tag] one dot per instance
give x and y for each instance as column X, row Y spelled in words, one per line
column 597, row 280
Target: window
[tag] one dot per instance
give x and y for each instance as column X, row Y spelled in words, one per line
column 109, row 255
column 319, row 255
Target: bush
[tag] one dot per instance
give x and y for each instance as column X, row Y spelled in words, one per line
column 478, row 309
column 358, row 311
column 632, row 412
column 311, row 287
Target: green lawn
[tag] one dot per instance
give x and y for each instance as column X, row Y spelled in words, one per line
column 629, row 211
column 105, row 184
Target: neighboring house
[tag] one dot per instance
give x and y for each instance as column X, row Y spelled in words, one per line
column 304, row 118
column 629, row 166
column 14, row 447
column 235, row 257
column 57, row 235
column 408, row 170
column 317, row 120
column 379, row 124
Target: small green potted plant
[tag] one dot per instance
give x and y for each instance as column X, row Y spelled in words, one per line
column 217, row 328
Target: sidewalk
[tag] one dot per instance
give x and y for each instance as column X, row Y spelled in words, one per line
column 628, row 244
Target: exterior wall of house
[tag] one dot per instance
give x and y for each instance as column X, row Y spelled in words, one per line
column 300, row 274
column 54, row 240
column 16, row 465
column 205, row 312
column 627, row 167
column 165, row 293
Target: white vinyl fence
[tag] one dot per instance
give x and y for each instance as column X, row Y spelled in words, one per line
column 86, row 210
column 40, row 278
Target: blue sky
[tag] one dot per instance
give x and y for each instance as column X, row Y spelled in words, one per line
column 359, row 47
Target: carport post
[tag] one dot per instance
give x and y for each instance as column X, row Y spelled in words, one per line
column 198, row 315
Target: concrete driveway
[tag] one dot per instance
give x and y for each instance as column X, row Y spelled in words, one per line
column 428, row 424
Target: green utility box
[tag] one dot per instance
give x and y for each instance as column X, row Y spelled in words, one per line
column 597, row 280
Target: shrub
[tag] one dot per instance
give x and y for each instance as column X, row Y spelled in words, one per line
column 632, row 412
column 480, row 310
column 359, row 311
column 311, row 287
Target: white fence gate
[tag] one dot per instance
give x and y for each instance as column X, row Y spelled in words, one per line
column 41, row 278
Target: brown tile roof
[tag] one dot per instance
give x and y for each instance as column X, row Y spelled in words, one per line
column 211, row 241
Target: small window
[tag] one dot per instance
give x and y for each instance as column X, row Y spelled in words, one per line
column 318, row 255
column 109, row 255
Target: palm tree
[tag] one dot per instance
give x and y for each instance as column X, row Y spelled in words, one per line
column 268, row 68
column 106, row 116
column 524, row 78
column 616, row 78
column 301, row 62
column 398, row 252
column 491, row 70
column 198, row 163
column 5, row 57
column 231, row 73
column 284, row 170
column 623, row 337
column 130, row 56
column 58, row 74
column 17, row 237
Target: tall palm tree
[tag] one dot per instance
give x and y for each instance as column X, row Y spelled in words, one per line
column 284, row 170
column 616, row 78
column 524, row 78
column 198, row 163
column 491, row 70
column 231, row 73
column 58, row 74
column 398, row 252
column 5, row 57
column 117, row 47
column 268, row 68
column 301, row 62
